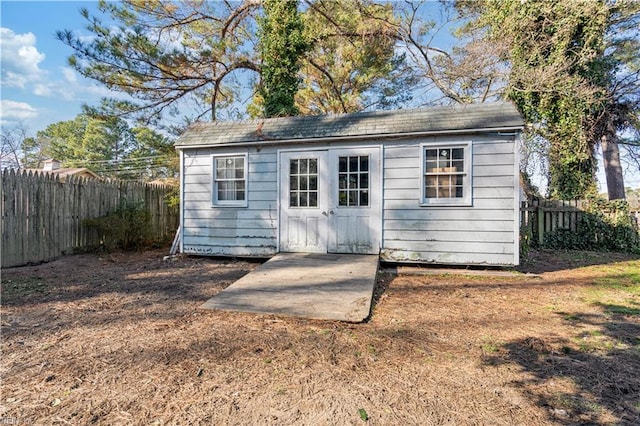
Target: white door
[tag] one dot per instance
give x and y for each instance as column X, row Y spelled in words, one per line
column 303, row 201
column 330, row 201
column 354, row 210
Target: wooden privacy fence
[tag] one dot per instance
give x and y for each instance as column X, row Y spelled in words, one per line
column 539, row 217
column 43, row 217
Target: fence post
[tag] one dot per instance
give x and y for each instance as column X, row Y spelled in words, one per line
column 540, row 214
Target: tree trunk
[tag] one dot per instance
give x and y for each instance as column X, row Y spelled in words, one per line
column 612, row 167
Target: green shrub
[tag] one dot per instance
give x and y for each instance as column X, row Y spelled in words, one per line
column 604, row 226
column 127, row 228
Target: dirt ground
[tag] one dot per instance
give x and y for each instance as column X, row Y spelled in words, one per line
column 120, row 339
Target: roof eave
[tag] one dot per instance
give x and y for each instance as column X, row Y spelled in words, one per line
column 369, row 136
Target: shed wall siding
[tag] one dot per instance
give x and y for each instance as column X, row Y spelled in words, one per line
column 480, row 234
column 230, row 231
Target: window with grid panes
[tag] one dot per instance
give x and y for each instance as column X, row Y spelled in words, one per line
column 446, row 179
column 303, row 182
column 230, row 180
column 353, row 181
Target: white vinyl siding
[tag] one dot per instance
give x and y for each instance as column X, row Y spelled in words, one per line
column 247, row 229
column 480, row 232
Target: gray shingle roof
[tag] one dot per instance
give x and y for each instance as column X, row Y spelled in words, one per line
column 499, row 115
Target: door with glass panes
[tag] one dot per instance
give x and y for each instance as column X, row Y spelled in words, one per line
column 330, row 201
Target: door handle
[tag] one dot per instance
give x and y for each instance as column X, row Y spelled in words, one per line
column 325, row 213
column 330, row 211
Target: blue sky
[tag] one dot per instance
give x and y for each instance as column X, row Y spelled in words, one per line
column 38, row 87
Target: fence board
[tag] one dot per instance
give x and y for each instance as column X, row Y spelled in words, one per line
column 43, row 217
column 539, row 217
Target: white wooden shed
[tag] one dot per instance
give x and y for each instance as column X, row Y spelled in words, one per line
column 433, row 185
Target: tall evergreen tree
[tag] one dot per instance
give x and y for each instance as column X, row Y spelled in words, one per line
column 107, row 146
column 282, row 44
column 566, row 78
column 204, row 59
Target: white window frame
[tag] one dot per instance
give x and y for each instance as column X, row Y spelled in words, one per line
column 465, row 200
column 214, row 182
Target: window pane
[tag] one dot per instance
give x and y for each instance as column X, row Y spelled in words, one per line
column 353, row 164
column 304, row 180
column 293, row 167
column 293, row 199
column 364, row 198
column 220, row 166
column 444, row 173
column 364, row 164
column 342, row 181
column 239, row 166
column 364, row 181
column 353, row 181
column 444, row 186
column 342, row 198
column 223, row 191
column 342, row 164
column 304, row 166
column 304, row 201
column 353, row 198
column 444, row 158
column 313, row 183
column 431, row 160
column 313, row 166
column 293, row 183
column 313, row 199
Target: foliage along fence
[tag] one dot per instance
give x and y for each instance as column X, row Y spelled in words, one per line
column 44, row 217
column 579, row 224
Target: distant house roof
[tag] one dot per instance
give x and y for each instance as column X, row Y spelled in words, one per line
column 499, row 116
column 79, row 172
column 52, row 166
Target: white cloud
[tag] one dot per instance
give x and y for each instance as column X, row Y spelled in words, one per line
column 40, row 89
column 70, row 75
column 16, row 110
column 20, row 58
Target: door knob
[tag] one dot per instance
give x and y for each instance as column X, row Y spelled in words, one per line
column 330, row 211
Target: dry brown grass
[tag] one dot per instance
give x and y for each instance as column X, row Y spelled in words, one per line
column 120, row 340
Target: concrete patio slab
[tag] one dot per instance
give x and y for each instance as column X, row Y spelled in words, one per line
column 315, row 286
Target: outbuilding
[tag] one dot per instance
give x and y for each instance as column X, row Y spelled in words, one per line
column 428, row 185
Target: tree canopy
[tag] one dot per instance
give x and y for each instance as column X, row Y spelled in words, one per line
column 282, row 46
column 172, row 57
column 565, row 76
column 572, row 68
column 108, row 147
